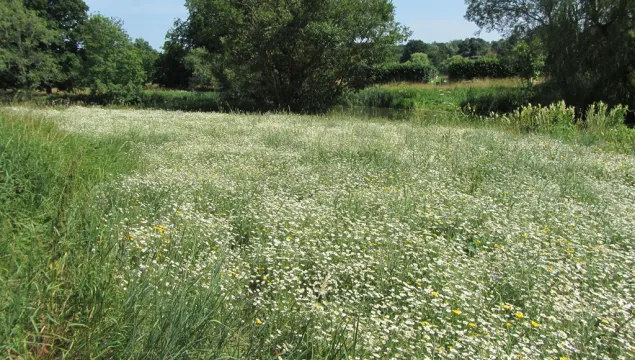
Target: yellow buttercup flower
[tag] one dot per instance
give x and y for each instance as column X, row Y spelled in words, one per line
column 160, row 228
column 519, row 315
column 258, row 322
column 456, row 312
column 535, row 324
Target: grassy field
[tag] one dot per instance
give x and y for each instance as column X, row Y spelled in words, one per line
column 138, row 233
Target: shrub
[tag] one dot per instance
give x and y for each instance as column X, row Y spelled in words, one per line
column 409, row 72
column 480, row 68
column 542, row 119
column 116, row 94
column 599, row 117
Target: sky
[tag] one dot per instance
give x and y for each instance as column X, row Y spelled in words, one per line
column 429, row 20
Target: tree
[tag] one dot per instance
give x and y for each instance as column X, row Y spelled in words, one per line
column 200, row 63
column 171, row 71
column 445, row 65
column 149, row 57
column 64, row 17
column 23, row 62
column 590, row 44
column 412, row 47
column 530, row 58
column 420, row 58
column 112, row 62
column 296, row 55
column 473, row 47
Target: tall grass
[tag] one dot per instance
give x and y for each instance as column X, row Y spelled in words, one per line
column 59, row 291
column 149, row 99
column 481, row 97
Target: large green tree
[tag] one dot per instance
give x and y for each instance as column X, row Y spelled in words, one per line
column 473, row 47
column 201, row 65
column 24, row 63
column 112, row 61
column 296, row 54
column 412, row 47
column 65, row 18
column 171, row 70
column 149, row 57
column 590, row 44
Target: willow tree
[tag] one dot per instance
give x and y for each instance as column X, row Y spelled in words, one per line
column 590, row 44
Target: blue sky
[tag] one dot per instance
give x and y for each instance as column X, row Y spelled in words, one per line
column 430, row 20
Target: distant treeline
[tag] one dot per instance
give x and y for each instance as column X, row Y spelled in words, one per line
column 311, row 53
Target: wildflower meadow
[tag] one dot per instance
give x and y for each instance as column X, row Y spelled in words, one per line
column 296, row 237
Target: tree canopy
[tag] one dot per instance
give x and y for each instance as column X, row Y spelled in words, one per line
column 171, row 71
column 590, row 44
column 296, row 55
column 111, row 57
column 149, row 57
column 23, row 61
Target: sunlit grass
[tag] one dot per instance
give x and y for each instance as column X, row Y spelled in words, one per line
column 476, row 83
column 258, row 236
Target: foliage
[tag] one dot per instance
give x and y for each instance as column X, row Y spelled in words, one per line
column 530, row 59
column 200, row 63
column 411, row 71
column 113, row 65
column 479, row 68
column 445, row 65
column 171, row 71
column 420, row 58
column 473, row 47
column 23, row 62
column 555, row 117
column 124, row 96
column 600, row 118
column 65, row 18
column 599, row 124
column 149, row 57
column 412, row 47
column 504, row 100
column 449, row 97
column 296, row 56
column 64, row 15
column 439, row 53
column 590, row 45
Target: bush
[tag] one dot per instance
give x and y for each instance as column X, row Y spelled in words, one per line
column 480, row 68
column 409, row 72
column 542, row 119
column 557, row 117
column 600, row 118
column 115, row 94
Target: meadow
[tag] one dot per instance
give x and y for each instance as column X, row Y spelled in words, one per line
column 144, row 233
